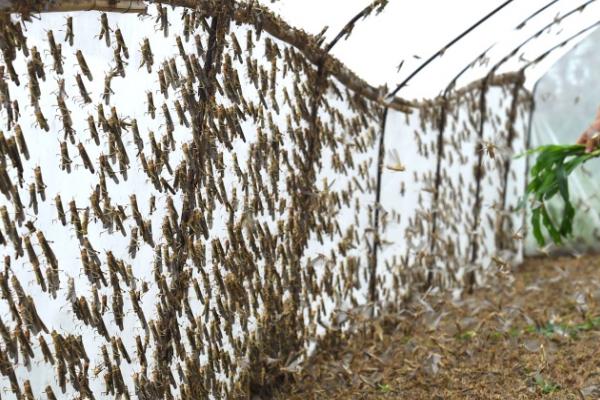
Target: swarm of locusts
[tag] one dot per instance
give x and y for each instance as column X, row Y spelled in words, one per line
column 446, row 213
column 211, row 288
column 188, row 235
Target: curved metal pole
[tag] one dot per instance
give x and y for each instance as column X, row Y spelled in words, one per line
column 447, row 46
column 373, row 295
column 536, row 35
column 501, row 242
column 465, row 69
column 527, row 166
column 559, row 45
column 480, row 56
column 347, row 29
column 536, row 13
column 442, row 122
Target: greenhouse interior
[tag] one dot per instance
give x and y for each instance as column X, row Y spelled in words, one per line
column 292, row 199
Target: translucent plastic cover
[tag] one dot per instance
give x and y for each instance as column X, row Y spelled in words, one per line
column 566, row 101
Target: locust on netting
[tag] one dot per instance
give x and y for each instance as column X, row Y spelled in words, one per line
column 549, row 177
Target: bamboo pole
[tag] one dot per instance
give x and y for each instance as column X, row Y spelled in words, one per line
column 246, row 13
column 123, row 6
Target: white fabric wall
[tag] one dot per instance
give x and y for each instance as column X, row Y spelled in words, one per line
column 410, row 248
column 329, row 275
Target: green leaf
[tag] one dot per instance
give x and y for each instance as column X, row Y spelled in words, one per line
column 549, row 177
column 547, row 185
column 566, row 225
column 550, row 193
column 575, row 162
column 549, row 225
column 553, row 154
column 534, row 185
column 537, row 227
column 561, row 181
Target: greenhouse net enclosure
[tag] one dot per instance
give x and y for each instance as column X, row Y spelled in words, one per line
column 193, row 197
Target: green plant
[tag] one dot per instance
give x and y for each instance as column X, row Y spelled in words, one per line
column 514, row 332
column 466, row 335
column 546, row 386
column 549, row 177
column 384, row 388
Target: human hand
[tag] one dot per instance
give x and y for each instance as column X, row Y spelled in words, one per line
column 591, row 140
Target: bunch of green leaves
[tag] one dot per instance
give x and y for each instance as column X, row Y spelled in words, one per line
column 549, row 177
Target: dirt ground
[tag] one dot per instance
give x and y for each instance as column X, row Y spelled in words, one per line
column 535, row 336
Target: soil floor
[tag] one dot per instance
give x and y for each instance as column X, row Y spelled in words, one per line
column 535, row 336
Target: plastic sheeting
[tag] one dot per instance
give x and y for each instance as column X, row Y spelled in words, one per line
column 566, row 102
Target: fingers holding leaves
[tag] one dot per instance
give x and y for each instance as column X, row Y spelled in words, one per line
column 592, row 142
